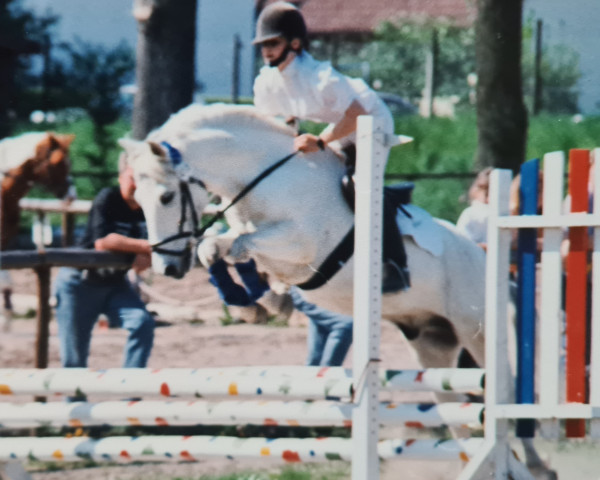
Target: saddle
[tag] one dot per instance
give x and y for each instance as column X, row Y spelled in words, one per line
column 396, row 195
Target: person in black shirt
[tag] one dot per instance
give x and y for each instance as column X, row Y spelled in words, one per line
column 116, row 223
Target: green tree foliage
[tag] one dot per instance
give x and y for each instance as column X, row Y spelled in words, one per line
column 21, row 34
column 91, row 78
column 399, row 52
column 560, row 70
column 396, row 58
column 396, row 62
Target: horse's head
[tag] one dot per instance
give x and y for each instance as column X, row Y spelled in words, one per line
column 50, row 164
column 172, row 202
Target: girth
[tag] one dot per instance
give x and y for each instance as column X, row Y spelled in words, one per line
column 332, row 264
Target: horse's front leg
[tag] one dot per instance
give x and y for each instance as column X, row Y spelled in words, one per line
column 278, row 242
column 212, row 249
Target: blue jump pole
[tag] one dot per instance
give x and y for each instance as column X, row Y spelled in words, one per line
column 526, row 261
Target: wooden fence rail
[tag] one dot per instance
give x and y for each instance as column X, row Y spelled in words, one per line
column 41, row 261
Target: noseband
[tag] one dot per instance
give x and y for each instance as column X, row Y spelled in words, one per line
column 186, row 199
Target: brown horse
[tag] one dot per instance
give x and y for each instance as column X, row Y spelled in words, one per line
column 27, row 160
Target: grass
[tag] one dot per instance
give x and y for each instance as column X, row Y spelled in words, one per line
column 302, row 472
column 327, row 471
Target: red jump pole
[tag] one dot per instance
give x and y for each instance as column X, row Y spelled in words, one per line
column 576, row 290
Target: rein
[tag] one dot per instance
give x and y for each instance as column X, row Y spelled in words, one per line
column 186, row 198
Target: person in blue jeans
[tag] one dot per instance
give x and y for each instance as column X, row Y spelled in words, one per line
column 329, row 334
column 115, row 223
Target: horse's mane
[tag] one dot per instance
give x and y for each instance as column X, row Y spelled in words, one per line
column 14, row 151
column 217, row 115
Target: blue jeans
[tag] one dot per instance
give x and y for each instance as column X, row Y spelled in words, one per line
column 81, row 301
column 329, row 334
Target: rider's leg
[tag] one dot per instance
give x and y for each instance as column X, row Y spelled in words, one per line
column 395, row 271
column 395, row 275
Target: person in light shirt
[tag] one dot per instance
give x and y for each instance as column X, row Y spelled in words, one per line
column 473, row 220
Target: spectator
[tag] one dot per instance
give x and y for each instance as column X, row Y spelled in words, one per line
column 115, row 223
column 329, row 334
column 473, row 220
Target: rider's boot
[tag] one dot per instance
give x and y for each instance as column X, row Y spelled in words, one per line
column 395, row 274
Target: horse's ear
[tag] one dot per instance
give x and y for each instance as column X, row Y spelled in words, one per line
column 52, row 141
column 129, row 145
column 66, row 139
column 157, row 149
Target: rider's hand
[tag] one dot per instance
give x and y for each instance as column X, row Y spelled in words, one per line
column 308, row 143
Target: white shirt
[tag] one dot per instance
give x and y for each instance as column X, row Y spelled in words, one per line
column 473, row 220
column 311, row 90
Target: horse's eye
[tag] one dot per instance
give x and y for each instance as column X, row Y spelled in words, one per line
column 167, row 197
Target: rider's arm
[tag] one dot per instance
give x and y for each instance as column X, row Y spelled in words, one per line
column 310, row 143
column 346, row 125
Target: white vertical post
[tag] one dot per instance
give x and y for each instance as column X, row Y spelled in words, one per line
column 498, row 376
column 595, row 333
column 497, row 370
column 370, row 166
column 550, row 327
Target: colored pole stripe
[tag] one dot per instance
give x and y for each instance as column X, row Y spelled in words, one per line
column 193, row 448
column 291, row 413
column 576, row 290
column 526, row 264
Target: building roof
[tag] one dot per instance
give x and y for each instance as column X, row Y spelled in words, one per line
column 327, row 17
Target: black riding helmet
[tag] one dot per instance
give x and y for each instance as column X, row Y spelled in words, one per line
column 280, row 19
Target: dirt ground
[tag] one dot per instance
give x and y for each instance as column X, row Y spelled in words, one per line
column 192, row 333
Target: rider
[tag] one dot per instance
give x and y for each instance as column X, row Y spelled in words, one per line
column 294, row 85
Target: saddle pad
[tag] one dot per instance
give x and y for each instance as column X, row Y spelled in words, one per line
column 422, row 227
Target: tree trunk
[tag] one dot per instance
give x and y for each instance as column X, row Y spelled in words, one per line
column 501, row 114
column 165, row 61
column 8, row 61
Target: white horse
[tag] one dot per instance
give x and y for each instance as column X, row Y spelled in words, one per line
column 295, row 217
column 291, row 220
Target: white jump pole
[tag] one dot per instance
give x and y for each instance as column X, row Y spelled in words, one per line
column 550, row 310
column 495, row 448
column 371, row 157
column 289, row 381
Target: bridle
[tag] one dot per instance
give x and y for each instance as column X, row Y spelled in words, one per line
column 198, row 232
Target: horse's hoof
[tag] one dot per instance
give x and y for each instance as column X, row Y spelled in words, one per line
column 254, row 314
column 280, row 305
